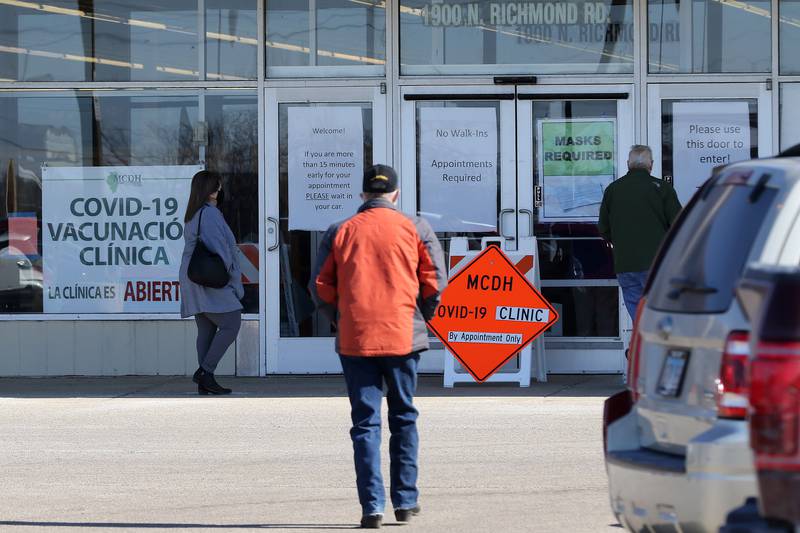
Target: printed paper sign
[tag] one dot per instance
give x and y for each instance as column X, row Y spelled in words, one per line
column 706, row 135
column 326, row 165
column 113, row 238
column 577, row 161
column 458, row 166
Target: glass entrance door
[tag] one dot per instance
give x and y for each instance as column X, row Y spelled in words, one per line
column 459, row 169
column 573, row 142
column 318, row 143
column 499, row 162
column 694, row 128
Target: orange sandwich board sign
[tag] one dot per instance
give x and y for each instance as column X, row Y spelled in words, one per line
column 489, row 312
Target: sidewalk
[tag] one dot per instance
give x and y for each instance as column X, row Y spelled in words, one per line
column 288, row 387
column 147, row 453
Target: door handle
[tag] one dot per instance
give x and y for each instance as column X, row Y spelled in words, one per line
column 530, row 220
column 273, row 230
column 500, row 224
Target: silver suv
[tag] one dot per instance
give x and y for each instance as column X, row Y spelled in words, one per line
column 680, row 459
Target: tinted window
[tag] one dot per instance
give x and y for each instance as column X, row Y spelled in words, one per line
column 707, row 256
column 709, row 36
column 127, row 40
column 503, row 37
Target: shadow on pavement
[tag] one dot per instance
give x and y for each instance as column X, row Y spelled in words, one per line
column 154, row 525
column 586, row 386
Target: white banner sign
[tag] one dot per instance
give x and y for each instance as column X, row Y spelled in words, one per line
column 705, row 135
column 326, row 165
column 113, row 238
column 458, row 168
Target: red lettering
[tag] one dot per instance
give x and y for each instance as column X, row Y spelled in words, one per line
column 141, row 291
column 153, row 291
column 129, row 295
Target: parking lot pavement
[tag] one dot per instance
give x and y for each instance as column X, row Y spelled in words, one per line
column 135, row 454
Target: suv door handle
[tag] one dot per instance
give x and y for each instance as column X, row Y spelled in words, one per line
column 665, row 327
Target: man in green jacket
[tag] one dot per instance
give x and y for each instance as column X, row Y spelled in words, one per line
column 636, row 212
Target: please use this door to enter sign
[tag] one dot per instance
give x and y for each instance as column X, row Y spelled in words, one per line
column 489, row 312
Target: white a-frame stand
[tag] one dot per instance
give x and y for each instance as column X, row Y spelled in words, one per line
column 531, row 358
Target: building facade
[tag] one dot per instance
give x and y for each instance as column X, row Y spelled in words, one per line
column 504, row 119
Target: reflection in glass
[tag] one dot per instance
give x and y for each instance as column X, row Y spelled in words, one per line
column 298, row 248
column 76, row 131
column 539, row 37
column 575, row 259
column 231, row 40
column 790, row 115
column 715, row 36
column 584, row 311
column 69, row 40
column 789, row 34
column 232, row 152
column 338, row 33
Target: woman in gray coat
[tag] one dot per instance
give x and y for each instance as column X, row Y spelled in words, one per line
column 217, row 312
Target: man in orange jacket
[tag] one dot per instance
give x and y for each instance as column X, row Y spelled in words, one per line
column 378, row 277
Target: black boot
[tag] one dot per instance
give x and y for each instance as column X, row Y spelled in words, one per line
column 404, row 515
column 196, row 376
column 371, row 521
column 209, row 385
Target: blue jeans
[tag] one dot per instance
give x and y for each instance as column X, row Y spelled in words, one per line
column 365, row 377
column 632, row 285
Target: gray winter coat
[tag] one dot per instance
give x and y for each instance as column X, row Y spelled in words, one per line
column 218, row 238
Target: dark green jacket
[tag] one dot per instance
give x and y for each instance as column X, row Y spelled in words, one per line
column 636, row 212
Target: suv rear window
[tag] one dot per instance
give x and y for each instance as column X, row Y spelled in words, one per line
column 706, row 257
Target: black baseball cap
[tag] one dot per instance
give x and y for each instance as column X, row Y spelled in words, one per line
column 380, row 179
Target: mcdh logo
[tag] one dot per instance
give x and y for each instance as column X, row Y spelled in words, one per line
column 115, row 179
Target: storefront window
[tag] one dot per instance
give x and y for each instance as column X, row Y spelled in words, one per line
column 692, row 36
column 325, row 37
column 541, row 37
column 68, row 40
column 790, row 115
column 93, row 192
column 232, row 152
column 789, row 33
column 231, row 40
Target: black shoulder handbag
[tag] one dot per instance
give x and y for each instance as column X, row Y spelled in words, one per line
column 205, row 267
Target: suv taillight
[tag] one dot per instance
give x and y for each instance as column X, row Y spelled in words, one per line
column 635, row 352
column 775, row 403
column 732, row 388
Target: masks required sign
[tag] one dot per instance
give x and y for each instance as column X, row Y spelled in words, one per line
column 576, row 162
column 458, row 165
column 113, row 238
